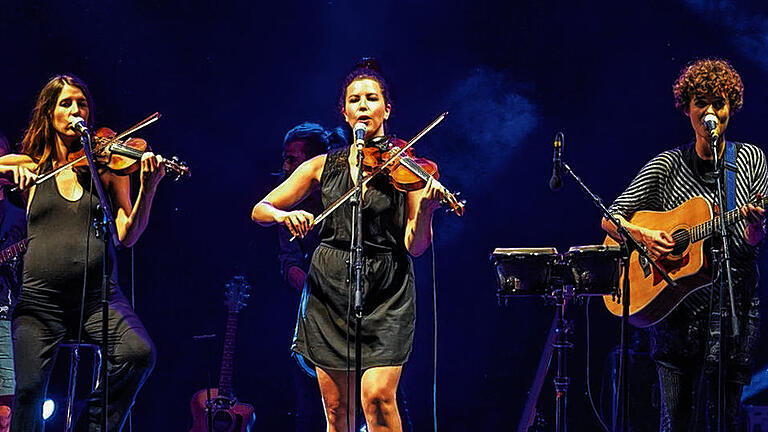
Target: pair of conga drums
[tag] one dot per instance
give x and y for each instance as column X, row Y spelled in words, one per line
column 591, row 270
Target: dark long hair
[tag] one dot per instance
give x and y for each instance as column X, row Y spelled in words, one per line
column 40, row 135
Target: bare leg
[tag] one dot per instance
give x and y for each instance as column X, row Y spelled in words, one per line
column 334, row 390
column 379, row 388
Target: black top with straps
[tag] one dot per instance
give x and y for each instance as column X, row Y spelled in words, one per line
column 384, row 215
column 61, row 240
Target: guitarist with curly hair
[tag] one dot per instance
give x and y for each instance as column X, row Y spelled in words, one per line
column 684, row 343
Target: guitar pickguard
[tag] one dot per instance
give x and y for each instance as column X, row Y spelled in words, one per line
column 669, row 266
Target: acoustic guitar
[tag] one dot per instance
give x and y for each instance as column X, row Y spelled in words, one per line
column 226, row 413
column 650, row 298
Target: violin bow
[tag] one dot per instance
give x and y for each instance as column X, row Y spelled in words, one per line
column 146, row 122
column 336, row 204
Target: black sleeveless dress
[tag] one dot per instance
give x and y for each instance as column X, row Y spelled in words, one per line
column 325, row 319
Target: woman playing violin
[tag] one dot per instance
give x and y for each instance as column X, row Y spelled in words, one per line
column 60, row 297
column 395, row 225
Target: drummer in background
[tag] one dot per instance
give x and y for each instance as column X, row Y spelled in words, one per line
column 683, row 345
column 301, row 143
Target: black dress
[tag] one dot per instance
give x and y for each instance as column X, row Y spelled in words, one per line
column 325, row 322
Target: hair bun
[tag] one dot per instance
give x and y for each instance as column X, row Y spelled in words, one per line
column 368, row 63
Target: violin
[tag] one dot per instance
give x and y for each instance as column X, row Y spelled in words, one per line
column 117, row 154
column 406, row 172
column 120, row 156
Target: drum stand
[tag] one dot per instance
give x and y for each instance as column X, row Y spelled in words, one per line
column 562, row 345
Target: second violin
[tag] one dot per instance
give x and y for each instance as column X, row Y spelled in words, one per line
column 119, row 154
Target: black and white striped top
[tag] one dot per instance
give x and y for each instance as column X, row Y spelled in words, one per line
column 676, row 175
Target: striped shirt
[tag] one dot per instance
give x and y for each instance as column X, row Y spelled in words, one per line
column 691, row 331
column 677, row 175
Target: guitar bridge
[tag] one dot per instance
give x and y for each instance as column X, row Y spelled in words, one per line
column 645, row 265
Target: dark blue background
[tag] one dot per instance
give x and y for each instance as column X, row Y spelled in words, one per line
column 231, row 77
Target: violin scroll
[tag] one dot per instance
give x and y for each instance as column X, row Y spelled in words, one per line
column 455, row 205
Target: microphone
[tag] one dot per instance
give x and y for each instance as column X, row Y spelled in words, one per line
column 555, row 183
column 711, row 122
column 79, row 125
column 359, row 132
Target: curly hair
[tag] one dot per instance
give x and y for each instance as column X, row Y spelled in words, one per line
column 708, row 76
column 39, row 137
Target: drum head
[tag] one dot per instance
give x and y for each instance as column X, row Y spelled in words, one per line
column 523, row 271
column 595, row 269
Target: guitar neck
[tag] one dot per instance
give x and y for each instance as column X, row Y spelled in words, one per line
column 227, row 358
column 704, row 230
column 13, row 251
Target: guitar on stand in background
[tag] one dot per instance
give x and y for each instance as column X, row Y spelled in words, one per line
column 217, row 409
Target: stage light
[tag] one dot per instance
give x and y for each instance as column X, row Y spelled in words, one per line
column 364, row 428
column 49, row 406
column 758, row 384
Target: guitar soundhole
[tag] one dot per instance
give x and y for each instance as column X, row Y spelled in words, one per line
column 682, row 239
column 222, row 421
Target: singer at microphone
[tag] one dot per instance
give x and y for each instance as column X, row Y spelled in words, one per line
column 707, row 91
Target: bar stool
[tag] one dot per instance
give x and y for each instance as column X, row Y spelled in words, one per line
column 74, row 363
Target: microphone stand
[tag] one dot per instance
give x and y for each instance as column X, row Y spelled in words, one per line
column 356, row 249
column 105, row 229
column 627, row 243
column 722, row 257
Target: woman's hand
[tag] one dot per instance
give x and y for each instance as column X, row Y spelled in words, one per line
column 298, row 222
column 431, row 196
column 152, row 170
column 19, row 175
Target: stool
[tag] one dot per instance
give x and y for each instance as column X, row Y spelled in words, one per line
column 74, row 362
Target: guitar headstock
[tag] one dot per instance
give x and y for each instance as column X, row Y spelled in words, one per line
column 237, row 291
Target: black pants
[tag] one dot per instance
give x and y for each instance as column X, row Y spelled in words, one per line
column 36, row 337
column 689, row 400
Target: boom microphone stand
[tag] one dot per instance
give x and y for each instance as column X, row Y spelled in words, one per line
column 627, row 243
column 106, row 228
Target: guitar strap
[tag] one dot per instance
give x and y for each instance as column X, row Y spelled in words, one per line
column 730, row 174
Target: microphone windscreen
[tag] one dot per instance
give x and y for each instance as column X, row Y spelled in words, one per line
column 555, row 183
column 711, row 121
